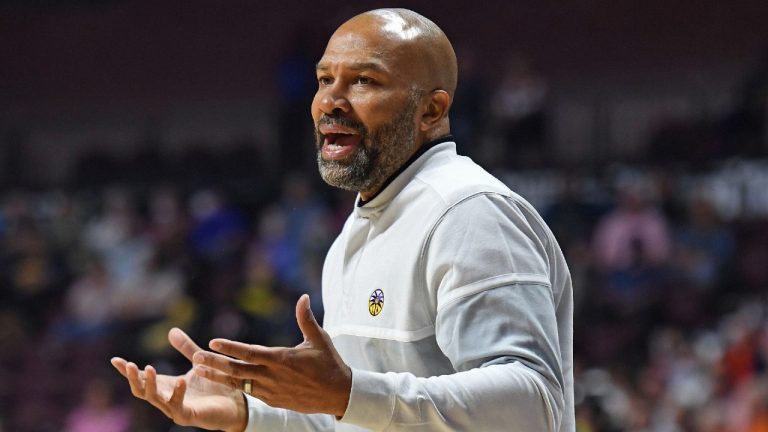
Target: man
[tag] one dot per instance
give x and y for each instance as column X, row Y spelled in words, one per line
column 448, row 302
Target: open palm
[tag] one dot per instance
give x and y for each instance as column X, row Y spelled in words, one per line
column 189, row 400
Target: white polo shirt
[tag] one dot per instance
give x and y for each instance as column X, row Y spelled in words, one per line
column 450, row 300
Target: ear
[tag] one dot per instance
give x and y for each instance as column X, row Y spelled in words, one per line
column 436, row 109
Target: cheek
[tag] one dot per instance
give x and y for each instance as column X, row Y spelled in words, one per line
column 373, row 112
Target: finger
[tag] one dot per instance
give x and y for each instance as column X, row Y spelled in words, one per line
column 119, row 364
column 218, row 377
column 151, row 394
column 177, row 398
column 228, row 365
column 183, row 343
column 134, row 380
column 307, row 322
column 251, row 354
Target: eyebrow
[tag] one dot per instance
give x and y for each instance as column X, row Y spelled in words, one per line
column 357, row 66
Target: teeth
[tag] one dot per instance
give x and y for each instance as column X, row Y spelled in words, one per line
column 333, row 146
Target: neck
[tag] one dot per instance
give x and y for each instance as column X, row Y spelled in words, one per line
column 367, row 196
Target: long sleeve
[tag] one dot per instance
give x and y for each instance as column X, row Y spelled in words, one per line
column 490, row 267
column 262, row 417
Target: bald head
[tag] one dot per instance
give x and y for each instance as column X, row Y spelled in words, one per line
column 413, row 37
column 385, row 85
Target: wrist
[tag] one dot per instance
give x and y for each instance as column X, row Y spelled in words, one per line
column 241, row 417
column 344, row 396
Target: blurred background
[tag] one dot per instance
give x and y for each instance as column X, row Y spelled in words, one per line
column 157, row 169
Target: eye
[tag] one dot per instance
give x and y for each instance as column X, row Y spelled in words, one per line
column 363, row 80
column 324, row 80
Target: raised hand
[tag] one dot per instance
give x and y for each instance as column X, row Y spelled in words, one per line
column 308, row 378
column 188, row 400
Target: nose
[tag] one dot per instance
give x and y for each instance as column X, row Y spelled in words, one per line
column 332, row 98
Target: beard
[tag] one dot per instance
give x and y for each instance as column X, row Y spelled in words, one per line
column 380, row 153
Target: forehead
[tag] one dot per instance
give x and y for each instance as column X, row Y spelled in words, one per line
column 364, row 44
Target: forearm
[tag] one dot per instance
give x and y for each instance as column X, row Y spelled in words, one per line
column 493, row 398
column 262, row 417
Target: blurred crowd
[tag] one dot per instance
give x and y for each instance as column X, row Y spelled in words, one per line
column 88, row 276
column 671, row 323
column 670, row 268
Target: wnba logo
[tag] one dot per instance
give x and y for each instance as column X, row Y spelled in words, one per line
column 376, row 302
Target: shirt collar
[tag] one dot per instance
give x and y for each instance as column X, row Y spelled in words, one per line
column 423, row 149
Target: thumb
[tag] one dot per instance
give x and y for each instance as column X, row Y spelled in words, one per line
column 306, row 320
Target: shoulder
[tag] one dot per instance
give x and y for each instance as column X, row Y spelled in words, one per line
column 466, row 191
column 453, row 178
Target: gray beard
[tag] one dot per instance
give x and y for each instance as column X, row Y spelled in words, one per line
column 379, row 155
column 358, row 174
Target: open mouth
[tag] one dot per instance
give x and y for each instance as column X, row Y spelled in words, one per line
column 338, row 143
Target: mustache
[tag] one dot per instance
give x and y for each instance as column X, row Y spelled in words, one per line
column 341, row 121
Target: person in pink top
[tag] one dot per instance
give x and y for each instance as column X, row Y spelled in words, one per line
column 97, row 412
column 634, row 233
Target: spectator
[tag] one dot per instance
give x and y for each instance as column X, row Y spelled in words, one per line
column 97, row 411
column 703, row 246
column 631, row 245
column 634, row 232
column 518, row 106
column 89, row 305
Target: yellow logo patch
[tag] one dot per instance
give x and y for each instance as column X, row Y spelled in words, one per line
column 376, row 302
